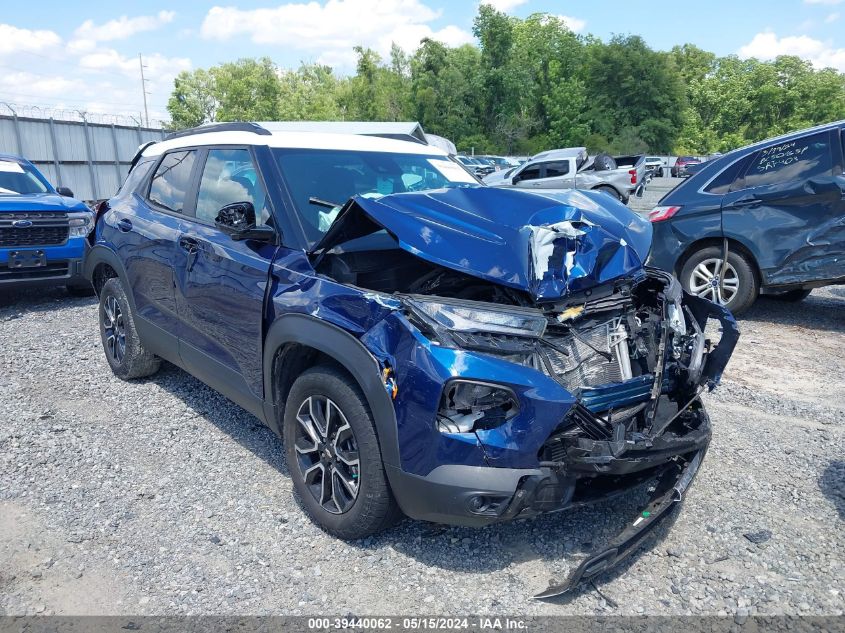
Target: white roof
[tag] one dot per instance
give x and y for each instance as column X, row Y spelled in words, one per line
column 385, row 129
column 298, row 140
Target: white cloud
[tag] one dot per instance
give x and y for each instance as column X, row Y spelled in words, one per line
column 505, row 6
column 576, row 25
column 123, row 27
column 332, row 28
column 44, row 74
column 821, row 54
column 828, row 2
column 830, row 19
column 13, row 40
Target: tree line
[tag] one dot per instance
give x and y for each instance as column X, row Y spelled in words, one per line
column 532, row 84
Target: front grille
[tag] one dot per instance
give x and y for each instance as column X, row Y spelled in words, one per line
column 47, row 229
column 58, row 269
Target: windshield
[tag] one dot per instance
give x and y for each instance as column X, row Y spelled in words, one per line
column 17, row 179
column 321, row 181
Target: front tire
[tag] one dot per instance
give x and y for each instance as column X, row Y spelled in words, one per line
column 702, row 275
column 333, row 455
column 125, row 354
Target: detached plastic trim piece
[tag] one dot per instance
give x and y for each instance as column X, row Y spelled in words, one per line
column 669, row 492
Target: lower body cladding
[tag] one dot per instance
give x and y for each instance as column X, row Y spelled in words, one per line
column 605, row 399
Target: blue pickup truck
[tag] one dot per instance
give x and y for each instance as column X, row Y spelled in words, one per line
column 43, row 231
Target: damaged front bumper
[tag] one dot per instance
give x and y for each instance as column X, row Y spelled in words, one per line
column 476, row 496
column 667, row 493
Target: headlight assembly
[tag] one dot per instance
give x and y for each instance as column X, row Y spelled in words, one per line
column 80, row 223
column 454, row 316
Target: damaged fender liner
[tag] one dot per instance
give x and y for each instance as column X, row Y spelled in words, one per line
column 668, row 493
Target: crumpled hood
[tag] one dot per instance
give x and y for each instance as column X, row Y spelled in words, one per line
column 547, row 244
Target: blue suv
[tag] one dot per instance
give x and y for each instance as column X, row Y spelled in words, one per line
column 425, row 344
column 43, row 230
column 768, row 218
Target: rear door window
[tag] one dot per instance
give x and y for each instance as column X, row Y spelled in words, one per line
column 557, row 168
column 136, row 176
column 172, row 179
column 230, row 176
column 791, row 160
column 723, row 182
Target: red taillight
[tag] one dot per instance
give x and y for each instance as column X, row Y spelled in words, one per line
column 633, row 173
column 658, row 214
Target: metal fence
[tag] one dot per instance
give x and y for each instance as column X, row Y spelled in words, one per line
column 92, row 159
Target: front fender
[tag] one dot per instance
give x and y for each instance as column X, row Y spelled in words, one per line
column 351, row 354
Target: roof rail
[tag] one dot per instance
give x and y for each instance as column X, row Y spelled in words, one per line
column 234, row 126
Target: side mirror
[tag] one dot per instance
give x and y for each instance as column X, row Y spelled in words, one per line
column 515, row 180
column 64, row 191
column 238, row 221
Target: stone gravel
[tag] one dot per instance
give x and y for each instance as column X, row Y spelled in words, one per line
column 161, row 497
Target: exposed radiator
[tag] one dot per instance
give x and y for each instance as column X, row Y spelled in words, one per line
column 583, row 365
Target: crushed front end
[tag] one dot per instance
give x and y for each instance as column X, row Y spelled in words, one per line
column 534, row 366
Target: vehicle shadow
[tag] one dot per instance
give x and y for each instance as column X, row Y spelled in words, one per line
column 212, row 407
column 14, row 302
column 832, row 485
column 822, row 310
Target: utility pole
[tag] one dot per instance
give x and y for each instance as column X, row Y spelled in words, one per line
column 144, row 90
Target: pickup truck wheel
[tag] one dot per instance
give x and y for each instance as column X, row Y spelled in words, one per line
column 333, row 455
column 609, row 191
column 124, row 352
column 733, row 286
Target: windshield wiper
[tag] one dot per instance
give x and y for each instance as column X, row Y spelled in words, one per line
column 323, row 203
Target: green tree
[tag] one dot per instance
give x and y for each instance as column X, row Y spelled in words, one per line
column 193, row 101
column 633, row 87
column 309, row 93
column 247, row 90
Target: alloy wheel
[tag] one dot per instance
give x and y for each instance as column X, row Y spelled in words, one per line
column 115, row 330
column 714, row 279
column 327, row 454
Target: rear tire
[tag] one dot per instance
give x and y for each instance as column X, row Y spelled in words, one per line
column 124, row 352
column 792, row 296
column 701, row 274
column 333, row 455
column 609, row 191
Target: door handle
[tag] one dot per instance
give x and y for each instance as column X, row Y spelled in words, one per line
column 124, row 225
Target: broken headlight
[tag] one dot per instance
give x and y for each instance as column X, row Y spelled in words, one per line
column 443, row 317
column 467, row 406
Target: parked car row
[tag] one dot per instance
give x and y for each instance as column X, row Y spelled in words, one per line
column 573, row 168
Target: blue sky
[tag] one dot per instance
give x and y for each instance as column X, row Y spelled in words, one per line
column 83, row 55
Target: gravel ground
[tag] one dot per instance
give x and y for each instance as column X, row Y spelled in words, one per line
column 161, row 497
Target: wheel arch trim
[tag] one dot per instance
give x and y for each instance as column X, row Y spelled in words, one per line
column 350, row 354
